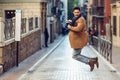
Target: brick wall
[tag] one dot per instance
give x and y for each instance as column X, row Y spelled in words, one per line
column 27, row 46
column 107, row 11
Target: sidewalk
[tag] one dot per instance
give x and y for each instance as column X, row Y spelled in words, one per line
column 25, row 65
column 60, row 66
column 116, row 58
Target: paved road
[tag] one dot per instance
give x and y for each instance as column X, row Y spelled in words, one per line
column 59, row 65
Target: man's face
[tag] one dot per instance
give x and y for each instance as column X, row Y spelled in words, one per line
column 76, row 13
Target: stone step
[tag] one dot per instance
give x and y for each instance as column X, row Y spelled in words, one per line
column 1, row 69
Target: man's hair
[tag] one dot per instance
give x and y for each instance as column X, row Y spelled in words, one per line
column 76, row 8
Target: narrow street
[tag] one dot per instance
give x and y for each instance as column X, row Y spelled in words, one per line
column 34, row 44
column 59, row 65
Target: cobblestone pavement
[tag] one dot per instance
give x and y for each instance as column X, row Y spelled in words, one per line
column 59, row 65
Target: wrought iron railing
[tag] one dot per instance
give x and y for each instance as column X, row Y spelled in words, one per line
column 95, row 42
column 9, row 28
column 104, row 47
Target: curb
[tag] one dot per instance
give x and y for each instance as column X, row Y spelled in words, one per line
column 112, row 69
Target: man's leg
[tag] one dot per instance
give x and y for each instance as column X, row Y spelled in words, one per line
column 77, row 55
column 91, row 61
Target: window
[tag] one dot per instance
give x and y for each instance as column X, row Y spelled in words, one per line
column 119, row 25
column 36, row 22
column 114, row 25
column 23, row 25
column 30, row 24
column 9, row 14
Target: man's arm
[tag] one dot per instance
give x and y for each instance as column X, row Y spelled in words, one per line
column 77, row 28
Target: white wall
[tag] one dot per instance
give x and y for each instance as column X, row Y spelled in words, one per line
column 116, row 12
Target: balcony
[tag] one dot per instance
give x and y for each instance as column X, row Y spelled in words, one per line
column 98, row 12
column 27, row 25
column 98, row 3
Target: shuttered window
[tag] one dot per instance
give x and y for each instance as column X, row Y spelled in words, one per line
column 114, row 25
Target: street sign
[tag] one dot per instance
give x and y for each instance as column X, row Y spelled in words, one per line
column 17, row 25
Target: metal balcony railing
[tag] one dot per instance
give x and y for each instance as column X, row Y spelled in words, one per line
column 98, row 3
column 9, row 29
column 97, row 11
column 9, row 26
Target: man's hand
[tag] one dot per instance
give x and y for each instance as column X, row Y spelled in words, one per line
column 68, row 21
column 69, row 26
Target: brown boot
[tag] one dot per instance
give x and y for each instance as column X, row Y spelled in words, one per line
column 96, row 61
column 91, row 64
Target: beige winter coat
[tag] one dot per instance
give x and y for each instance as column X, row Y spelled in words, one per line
column 78, row 35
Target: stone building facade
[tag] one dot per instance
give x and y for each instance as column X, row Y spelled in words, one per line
column 31, row 30
column 36, row 15
column 115, row 22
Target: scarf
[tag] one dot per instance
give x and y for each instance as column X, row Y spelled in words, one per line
column 74, row 20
